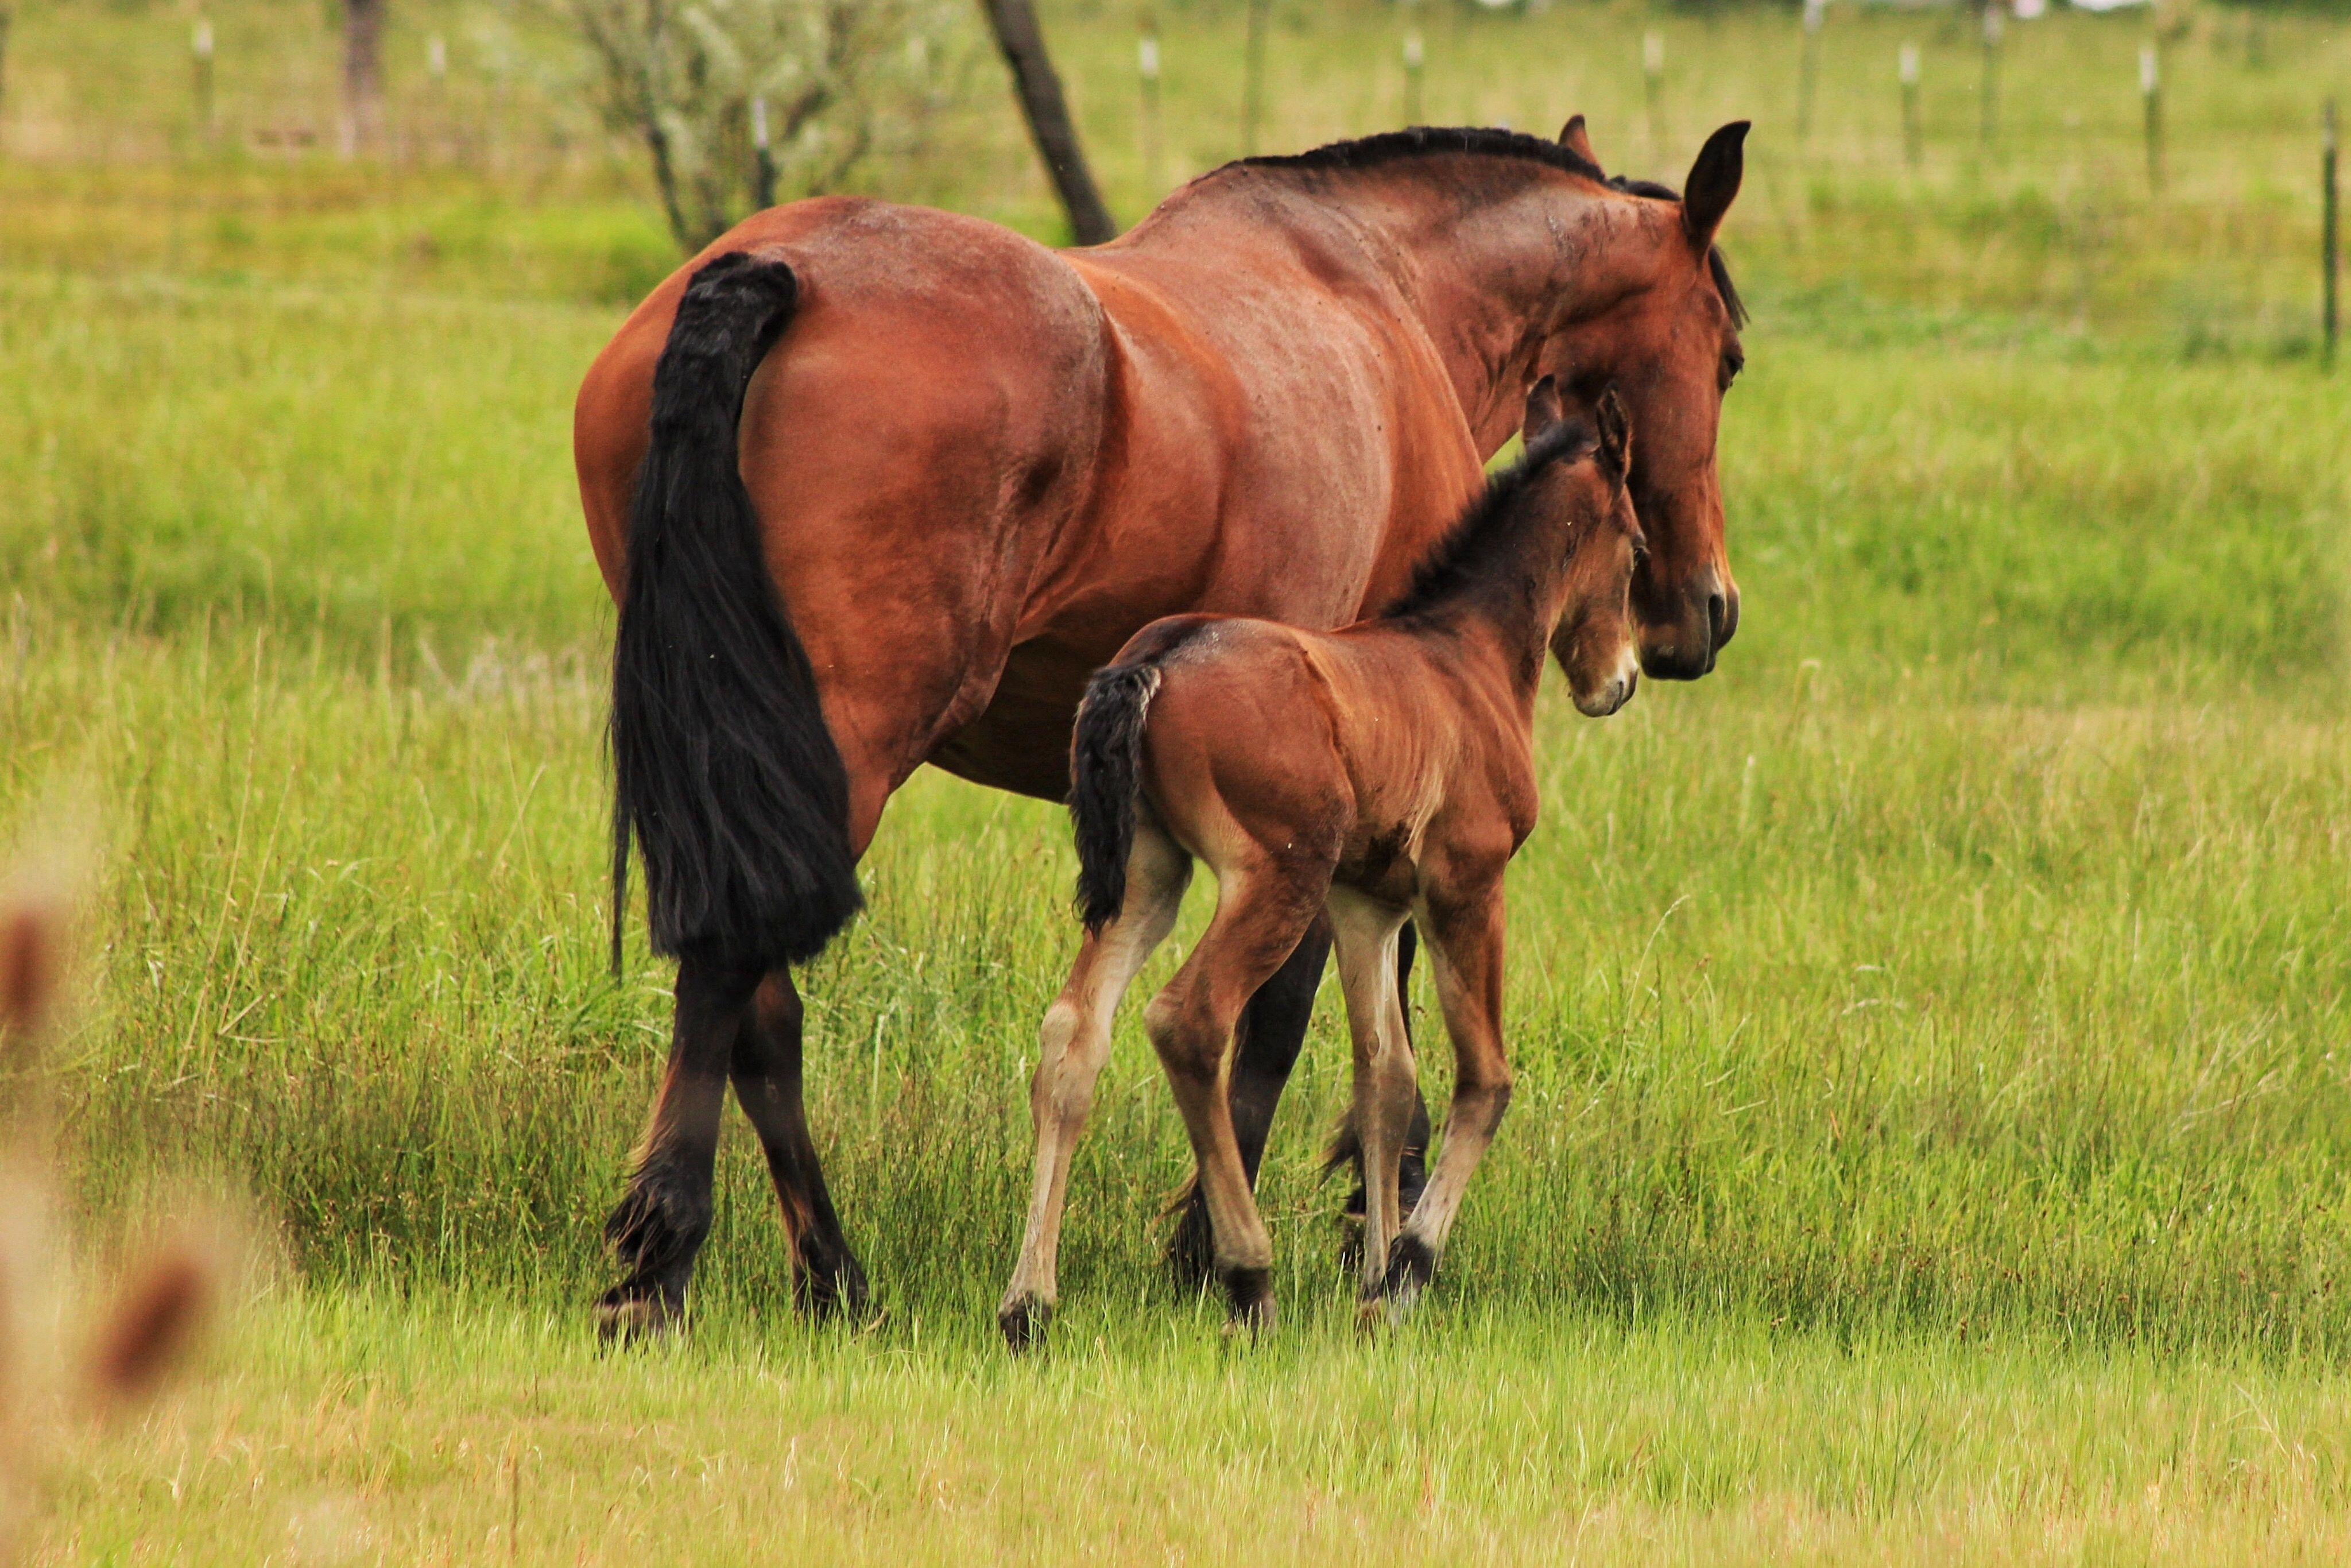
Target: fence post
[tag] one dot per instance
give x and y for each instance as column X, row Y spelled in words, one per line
column 1808, row 68
column 2329, row 251
column 763, row 159
column 1913, row 138
column 1146, row 58
column 1253, row 76
column 1415, row 61
column 1653, row 83
column 1994, row 25
column 2150, row 88
column 200, row 44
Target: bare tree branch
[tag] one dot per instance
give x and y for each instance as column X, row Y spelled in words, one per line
column 1041, row 104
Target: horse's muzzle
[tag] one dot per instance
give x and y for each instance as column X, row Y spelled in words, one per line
column 1685, row 648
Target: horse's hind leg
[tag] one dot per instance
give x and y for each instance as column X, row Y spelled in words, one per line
column 1074, row 1043
column 662, row 1219
column 1260, row 914
column 826, row 1277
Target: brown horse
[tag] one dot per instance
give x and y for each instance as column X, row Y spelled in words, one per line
column 973, row 466
column 1376, row 774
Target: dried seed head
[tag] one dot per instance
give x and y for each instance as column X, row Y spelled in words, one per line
column 152, row 1324
column 32, row 955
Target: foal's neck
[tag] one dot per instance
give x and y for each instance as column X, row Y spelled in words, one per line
column 1500, row 595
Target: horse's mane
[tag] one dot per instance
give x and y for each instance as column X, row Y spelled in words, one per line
column 1489, row 142
column 1470, row 548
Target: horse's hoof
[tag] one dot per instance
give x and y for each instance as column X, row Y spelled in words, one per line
column 1191, row 1248
column 1024, row 1320
column 626, row 1317
column 1372, row 1315
column 1250, row 1293
column 833, row 1288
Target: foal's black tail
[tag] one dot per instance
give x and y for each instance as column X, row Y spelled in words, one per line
column 723, row 769
column 1106, row 768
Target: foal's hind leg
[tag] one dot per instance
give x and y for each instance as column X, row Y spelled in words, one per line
column 1075, row 1043
column 1261, row 914
column 826, row 1277
column 662, row 1219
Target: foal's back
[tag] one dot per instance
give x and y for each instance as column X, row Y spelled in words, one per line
column 1268, row 741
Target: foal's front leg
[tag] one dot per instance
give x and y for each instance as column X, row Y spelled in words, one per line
column 1075, row 1043
column 1386, row 1080
column 1465, row 942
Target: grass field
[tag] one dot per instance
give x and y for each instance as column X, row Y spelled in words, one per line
column 1934, row 1141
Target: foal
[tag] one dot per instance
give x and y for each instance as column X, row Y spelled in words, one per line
column 1383, row 772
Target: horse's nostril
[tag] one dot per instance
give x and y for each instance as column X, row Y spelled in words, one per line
column 1718, row 609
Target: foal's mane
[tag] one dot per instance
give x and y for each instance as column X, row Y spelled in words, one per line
column 1487, row 141
column 1471, row 547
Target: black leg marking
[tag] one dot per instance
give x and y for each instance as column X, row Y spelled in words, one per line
column 1024, row 1323
column 826, row 1277
column 1411, row 1266
column 662, row 1219
column 1250, row 1295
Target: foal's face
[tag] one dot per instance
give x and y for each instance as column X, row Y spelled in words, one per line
column 1598, row 641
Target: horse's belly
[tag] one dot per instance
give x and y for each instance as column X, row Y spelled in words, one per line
column 1020, row 741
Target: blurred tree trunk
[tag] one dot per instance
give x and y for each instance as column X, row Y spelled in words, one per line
column 1018, row 34
column 362, row 75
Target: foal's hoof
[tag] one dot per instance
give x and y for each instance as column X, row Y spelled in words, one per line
column 1411, row 1266
column 1024, row 1320
column 1250, row 1295
column 626, row 1316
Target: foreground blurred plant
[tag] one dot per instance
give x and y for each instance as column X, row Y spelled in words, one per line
column 127, row 1347
column 833, row 82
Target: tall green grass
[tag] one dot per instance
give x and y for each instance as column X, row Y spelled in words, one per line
column 1969, row 950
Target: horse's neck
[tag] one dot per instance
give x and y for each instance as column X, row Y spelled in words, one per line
column 1493, row 282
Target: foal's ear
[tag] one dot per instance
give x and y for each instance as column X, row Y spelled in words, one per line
column 1713, row 182
column 1573, row 137
column 1544, row 410
column 1615, row 432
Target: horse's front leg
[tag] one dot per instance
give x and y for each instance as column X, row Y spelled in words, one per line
column 662, row 1219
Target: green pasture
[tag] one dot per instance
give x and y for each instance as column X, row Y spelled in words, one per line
column 1934, row 1139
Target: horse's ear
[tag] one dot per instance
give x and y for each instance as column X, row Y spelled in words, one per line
column 1615, row 431
column 1713, row 182
column 1545, row 410
column 1576, row 139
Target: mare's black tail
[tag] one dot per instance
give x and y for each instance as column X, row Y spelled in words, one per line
column 723, row 769
column 1106, row 768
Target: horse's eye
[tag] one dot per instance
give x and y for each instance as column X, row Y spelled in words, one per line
column 1731, row 365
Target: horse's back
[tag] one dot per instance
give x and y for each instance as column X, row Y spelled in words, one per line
column 926, row 419
column 910, row 323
